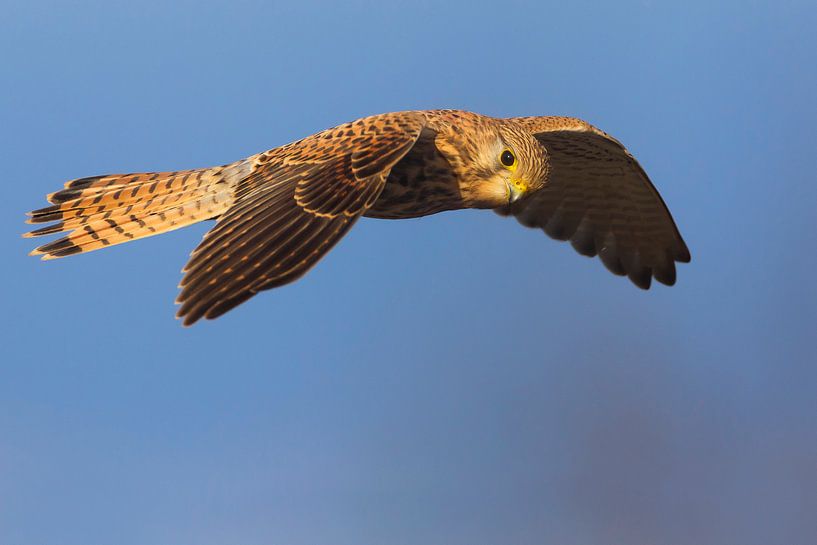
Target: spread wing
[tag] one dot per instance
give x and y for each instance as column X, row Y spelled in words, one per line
column 297, row 202
column 598, row 197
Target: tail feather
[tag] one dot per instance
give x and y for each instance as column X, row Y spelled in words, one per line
column 102, row 211
column 75, row 215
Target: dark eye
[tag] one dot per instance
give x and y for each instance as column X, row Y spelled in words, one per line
column 507, row 158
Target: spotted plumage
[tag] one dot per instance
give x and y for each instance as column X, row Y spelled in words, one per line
column 278, row 212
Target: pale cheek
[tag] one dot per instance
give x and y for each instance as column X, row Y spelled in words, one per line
column 489, row 194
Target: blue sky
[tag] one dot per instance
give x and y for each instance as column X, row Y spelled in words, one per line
column 455, row 379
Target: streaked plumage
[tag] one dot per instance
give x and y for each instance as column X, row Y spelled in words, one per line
column 278, row 212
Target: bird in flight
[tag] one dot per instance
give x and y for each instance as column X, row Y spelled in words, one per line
column 280, row 211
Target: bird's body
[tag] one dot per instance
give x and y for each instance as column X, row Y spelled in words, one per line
column 422, row 183
column 278, row 212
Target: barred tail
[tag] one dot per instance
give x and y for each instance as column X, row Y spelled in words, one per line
column 105, row 210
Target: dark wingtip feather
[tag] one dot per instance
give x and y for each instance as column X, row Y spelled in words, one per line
column 184, row 318
column 666, row 273
column 641, row 277
column 612, row 261
column 225, row 306
column 682, row 254
column 556, row 231
column 584, row 243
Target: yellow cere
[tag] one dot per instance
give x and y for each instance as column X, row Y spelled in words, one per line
column 520, row 185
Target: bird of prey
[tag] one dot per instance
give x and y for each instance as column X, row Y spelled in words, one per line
column 278, row 212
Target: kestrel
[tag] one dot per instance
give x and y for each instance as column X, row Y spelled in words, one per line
column 278, row 212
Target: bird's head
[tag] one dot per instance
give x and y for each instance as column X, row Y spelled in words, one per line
column 507, row 164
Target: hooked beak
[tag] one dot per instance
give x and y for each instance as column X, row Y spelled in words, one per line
column 516, row 190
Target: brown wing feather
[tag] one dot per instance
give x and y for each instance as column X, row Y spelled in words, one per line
column 297, row 203
column 598, row 197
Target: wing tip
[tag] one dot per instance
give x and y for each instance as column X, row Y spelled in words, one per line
column 185, row 320
column 682, row 255
column 641, row 277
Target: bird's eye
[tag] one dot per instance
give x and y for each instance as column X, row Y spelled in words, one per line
column 507, row 158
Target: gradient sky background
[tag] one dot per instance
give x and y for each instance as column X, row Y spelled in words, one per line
column 451, row 380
